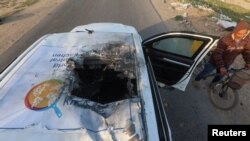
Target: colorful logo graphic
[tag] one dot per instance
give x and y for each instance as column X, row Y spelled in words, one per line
column 44, row 96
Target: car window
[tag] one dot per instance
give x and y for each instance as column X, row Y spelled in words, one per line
column 180, row 46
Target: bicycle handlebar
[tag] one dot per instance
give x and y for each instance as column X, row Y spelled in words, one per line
column 231, row 70
column 235, row 70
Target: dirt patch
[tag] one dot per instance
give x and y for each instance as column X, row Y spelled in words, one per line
column 243, row 3
column 11, row 6
column 202, row 20
column 15, row 26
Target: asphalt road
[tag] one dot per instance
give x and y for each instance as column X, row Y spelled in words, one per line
column 188, row 113
column 138, row 13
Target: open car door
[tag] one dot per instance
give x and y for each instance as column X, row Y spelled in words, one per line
column 175, row 55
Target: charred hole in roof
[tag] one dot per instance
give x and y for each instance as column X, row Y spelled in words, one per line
column 105, row 75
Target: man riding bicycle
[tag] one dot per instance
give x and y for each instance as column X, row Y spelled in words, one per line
column 229, row 47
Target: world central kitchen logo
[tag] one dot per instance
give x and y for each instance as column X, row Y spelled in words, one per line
column 45, row 96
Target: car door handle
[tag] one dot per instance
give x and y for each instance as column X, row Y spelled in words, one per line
column 175, row 62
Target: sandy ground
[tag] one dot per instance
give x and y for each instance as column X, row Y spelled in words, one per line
column 195, row 19
column 242, row 3
column 15, row 26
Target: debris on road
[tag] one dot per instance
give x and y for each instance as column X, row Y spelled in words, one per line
column 226, row 24
column 180, row 6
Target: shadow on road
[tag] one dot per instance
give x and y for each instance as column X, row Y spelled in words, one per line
column 16, row 17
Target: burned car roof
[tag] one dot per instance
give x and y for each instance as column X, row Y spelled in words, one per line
column 72, row 83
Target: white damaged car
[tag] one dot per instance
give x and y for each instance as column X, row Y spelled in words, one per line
column 96, row 83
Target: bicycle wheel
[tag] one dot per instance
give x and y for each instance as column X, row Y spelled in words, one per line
column 223, row 96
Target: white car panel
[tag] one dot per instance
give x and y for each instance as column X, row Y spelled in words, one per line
column 46, row 61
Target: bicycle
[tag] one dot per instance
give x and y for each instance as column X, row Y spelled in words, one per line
column 224, row 94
